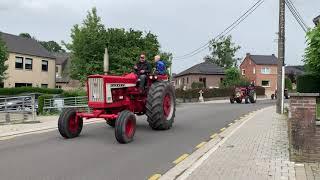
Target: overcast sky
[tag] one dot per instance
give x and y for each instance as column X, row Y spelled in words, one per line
column 181, row 25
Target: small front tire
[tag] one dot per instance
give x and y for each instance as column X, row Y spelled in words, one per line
column 125, row 127
column 69, row 125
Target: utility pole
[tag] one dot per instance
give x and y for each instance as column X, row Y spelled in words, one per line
column 281, row 55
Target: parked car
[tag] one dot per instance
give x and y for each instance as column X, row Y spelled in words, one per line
column 286, row 94
column 22, row 103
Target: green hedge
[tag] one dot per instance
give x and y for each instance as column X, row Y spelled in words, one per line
column 308, row 83
column 211, row 93
column 21, row 90
column 41, row 102
column 74, row 93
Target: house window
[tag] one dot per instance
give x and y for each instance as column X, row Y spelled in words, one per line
column 204, row 81
column 183, row 81
column 44, row 85
column 23, row 85
column 187, row 80
column 176, row 82
column 243, row 72
column 57, row 69
column 265, row 83
column 19, row 62
column 28, row 64
column 221, row 80
column 44, row 65
column 254, row 70
column 58, row 86
column 265, row 70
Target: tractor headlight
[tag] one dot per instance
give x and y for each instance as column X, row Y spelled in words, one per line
column 155, row 77
column 150, row 77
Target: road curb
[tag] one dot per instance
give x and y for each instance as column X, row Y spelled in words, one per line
column 185, row 168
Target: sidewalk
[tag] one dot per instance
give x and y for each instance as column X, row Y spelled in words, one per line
column 256, row 148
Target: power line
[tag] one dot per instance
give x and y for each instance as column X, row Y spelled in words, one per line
column 224, row 32
column 296, row 15
column 297, row 12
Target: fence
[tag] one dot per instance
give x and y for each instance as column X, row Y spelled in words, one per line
column 57, row 104
column 17, row 109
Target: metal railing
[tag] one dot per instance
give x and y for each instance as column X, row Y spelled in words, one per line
column 17, row 108
column 61, row 103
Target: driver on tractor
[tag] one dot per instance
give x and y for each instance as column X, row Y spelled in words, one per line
column 142, row 69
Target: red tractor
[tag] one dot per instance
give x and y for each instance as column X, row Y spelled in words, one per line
column 247, row 93
column 118, row 100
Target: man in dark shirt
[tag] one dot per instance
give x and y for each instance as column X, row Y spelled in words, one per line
column 142, row 69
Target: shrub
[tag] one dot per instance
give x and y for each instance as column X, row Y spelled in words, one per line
column 74, row 93
column 308, row 83
column 211, row 93
column 261, row 91
column 20, row 90
column 197, row 85
column 41, row 102
column 288, row 84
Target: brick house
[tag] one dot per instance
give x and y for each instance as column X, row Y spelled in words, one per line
column 207, row 73
column 262, row 70
column 29, row 63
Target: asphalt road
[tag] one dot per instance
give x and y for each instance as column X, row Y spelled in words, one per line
column 97, row 155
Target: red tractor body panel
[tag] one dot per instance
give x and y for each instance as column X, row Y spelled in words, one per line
column 108, row 95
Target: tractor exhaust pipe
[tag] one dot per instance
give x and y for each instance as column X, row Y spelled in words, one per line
column 106, row 61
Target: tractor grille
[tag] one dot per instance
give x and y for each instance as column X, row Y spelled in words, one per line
column 95, row 90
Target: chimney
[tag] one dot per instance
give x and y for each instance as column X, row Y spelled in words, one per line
column 248, row 54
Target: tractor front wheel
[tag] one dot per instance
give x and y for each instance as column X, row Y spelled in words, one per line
column 125, row 127
column 239, row 100
column 161, row 106
column 69, row 124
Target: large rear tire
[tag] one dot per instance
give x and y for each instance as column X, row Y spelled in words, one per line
column 125, row 127
column 69, row 125
column 253, row 97
column 161, row 105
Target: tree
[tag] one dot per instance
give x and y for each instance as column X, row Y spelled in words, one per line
column 87, row 47
column 3, row 59
column 312, row 52
column 233, row 78
column 124, row 47
column 223, row 52
column 25, row 35
column 52, row 46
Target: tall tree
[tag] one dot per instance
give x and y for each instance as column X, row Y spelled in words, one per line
column 3, row 59
column 87, row 47
column 52, row 46
column 25, row 35
column 223, row 52
column 312, row 52
column 124, row 47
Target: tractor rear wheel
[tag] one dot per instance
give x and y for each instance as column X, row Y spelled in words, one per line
column 253, row 97
column 125, row 127
column 69, row 124
column 161, row 106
